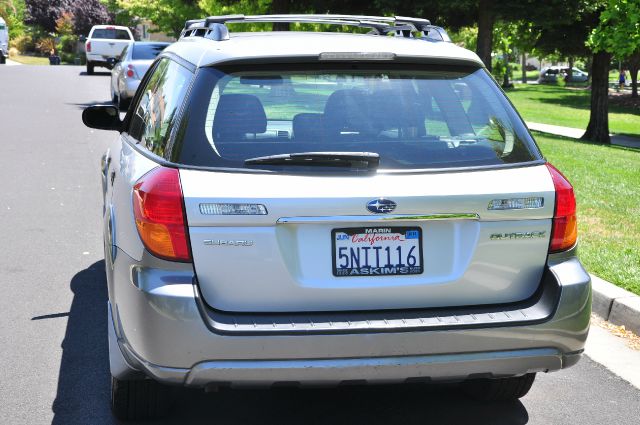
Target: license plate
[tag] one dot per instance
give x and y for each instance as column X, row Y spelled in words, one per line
column 377, row 251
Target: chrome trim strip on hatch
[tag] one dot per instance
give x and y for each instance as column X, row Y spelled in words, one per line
column 377, row 218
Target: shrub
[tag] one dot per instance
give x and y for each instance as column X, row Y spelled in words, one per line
column 67, row 43
column 23, row 43
column 65, row 24
column 46, row 45
column 13, row 52
column 67, row 57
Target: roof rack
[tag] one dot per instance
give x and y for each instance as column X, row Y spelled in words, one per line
column 214, row 27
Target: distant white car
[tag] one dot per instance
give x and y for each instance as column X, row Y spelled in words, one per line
column 129, row 69
column 104, row 42
column 4, row 41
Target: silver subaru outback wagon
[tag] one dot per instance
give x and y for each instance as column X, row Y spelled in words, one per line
column 327, row 208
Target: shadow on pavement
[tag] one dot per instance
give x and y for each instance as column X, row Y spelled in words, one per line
column 405, row 405
column 95, row 74
column 83, row 381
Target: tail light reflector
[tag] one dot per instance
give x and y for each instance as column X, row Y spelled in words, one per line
column 130, row 71
column 159, row 214
column 89, row 46
column 565, row 226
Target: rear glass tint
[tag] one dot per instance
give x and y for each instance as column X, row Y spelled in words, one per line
column 147, row 51
column 413, row 118
column 113, row 34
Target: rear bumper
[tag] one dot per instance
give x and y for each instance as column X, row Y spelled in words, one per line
column 97, row 60
column 161, row 330
column 128, row 89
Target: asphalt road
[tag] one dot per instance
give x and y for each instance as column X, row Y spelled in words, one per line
column 53, row 329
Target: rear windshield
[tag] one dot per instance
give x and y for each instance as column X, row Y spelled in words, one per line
column 2, row 27
column 413, row 117
column 147, row 51
column 113, row 34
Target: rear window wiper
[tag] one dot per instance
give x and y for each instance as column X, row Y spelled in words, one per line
column 367, row 160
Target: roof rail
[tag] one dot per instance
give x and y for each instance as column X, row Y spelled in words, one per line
column 214, row 27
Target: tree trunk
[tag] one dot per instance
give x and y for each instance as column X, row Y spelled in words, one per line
column 524, row 68
column 506, row 84
column 634, row 66
column 598, row 128
column 280, row 7
column 570, row 71
column 486, row 19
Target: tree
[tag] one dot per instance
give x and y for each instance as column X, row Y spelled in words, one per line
column 12, row 11
column 168, row 15
column 634, row 66
column 44, row 13
column 504, row 38
column 486, row 13
column 618, row 32
column 598, row 127
column 88, row 13
column 567, row 40
column 525, row 38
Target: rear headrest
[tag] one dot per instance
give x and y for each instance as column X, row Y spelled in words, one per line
column 397, row 110
column 347, row 110
column 239, row 114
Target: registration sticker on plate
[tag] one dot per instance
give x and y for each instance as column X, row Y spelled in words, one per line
column 377, row 251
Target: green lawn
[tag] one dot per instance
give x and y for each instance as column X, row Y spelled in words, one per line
column 30, row 60
column 516, row 76
column 607, row 185
column 569, row 107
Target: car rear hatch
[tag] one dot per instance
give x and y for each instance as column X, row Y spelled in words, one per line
column 309, row 243
column 360, row 186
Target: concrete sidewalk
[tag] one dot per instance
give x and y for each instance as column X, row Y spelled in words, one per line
column 576, row 133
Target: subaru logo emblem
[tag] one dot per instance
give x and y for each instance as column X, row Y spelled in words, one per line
column 381, row 206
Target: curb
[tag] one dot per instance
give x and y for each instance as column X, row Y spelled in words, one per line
column 615, row 304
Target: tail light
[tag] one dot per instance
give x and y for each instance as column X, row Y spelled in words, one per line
column 565, row 227
column 89, row 46
column 130, row 71
column 159, row 213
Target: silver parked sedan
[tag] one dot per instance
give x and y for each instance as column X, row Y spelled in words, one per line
column 296, row 208
column 129, row 69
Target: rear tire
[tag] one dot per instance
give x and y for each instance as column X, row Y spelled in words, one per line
column 500, row 389
column 139, row 399
column 3, row 59
column 90, row 68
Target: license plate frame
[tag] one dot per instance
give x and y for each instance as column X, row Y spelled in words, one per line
column 397, row 269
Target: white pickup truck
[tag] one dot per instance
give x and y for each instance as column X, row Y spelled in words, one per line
column 104, row 42
column 4, row 41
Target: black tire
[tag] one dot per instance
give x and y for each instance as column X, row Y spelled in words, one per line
column 3, row 59
column 500, row 389
column 90, row 68
column 139, row 399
